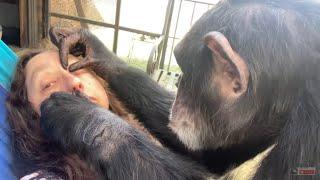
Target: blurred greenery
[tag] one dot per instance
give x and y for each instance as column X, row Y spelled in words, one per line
column 138, row 63
column 142, row 64
column 166, row 81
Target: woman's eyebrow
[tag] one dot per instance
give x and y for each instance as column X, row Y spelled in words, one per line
column 39, row 72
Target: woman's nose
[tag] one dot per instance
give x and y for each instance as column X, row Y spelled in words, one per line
column 74, row 83
column 77, row 84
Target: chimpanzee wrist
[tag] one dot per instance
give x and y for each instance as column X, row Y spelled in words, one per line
column 105, row 69
column 100, row 130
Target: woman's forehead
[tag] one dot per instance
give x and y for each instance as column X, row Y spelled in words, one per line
column 44, row 59
column 47, row 59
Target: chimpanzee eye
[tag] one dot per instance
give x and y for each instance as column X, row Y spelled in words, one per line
column 179, row 79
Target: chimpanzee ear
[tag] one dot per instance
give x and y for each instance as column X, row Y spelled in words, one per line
column 231, row 74
column 56, row 34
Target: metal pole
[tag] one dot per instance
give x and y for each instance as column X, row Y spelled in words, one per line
column 80, row 12
column 116, row 29
column 166, row 31
column 103, row 24
column 174, row 35
column 200, row 2
column 194, row 7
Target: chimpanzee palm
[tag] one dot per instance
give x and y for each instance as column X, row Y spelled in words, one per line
column 251, row 82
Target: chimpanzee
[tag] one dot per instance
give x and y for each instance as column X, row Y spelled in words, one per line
column 136, row 156
column 250, row 85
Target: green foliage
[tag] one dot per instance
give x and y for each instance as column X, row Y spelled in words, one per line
column 165, row 81
column 142, row 64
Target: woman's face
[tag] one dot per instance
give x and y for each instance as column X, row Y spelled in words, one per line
column 45, row 75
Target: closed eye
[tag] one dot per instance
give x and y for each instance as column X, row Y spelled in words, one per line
column 48, row 85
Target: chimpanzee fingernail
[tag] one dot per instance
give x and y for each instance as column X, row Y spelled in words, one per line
column 72, row 68
column 64, row 64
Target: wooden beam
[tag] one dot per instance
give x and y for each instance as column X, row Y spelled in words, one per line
column 33, row 23
column 23, row 15
column 46, row 18
column 80, row 12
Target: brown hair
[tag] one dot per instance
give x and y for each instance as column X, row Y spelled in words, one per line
column 32, row 151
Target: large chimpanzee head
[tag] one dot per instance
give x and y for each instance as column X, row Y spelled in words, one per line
column 249, row 68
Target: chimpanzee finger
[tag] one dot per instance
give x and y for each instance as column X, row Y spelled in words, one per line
column 56, row 34
column 65, row 46
column 86, row 62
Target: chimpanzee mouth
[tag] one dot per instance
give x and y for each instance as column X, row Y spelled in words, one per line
column 181, row 122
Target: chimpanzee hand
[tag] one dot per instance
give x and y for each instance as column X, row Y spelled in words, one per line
column 115, row 149
column 83, row 42
column 134, row 88
column 74, row 122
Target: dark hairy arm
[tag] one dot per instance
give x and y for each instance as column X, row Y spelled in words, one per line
column 114, row 148
column 141, row 95
column 146, row 99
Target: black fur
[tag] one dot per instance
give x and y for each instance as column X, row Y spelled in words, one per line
column 114, row 148
column 148, row 101
column 280, row 43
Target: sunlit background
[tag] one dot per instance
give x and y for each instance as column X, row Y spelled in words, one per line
column 143, row 26
column 144, row 33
